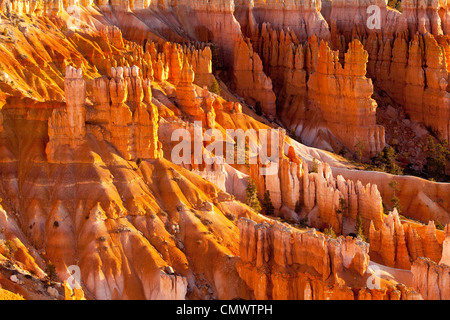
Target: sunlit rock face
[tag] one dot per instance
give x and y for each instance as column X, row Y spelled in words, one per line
column 279, row 262
column 92, row 94
column 344, row 98
column 67, row 125
column 408, row 53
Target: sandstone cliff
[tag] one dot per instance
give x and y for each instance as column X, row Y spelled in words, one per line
column 67, row 129
column 279, row 262
column 125, row 112
column 431, row 280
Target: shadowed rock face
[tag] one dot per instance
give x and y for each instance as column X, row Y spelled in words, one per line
column 87, row 178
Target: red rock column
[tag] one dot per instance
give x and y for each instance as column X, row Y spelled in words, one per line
column 186, row 93
column 344, row 96
column 121, row 116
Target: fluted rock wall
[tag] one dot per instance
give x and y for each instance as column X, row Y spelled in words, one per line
column 145, row 118
column 123, row 107
column 431, row 280
column 121, row 115
column 66, row 126
column 51, row 8
column 350, row 199
column 259, row 68
column 398, row 245
column 304, row 18
column 20, row 7
column 312, row 84
column 186, row 93
column 415, row 74
column 201, row 61
column 113, row 35
column 168, row 60
column 408, row 54
column 350, row 18
column 324, row 201
column 344, row 96
column 250, row 79
column 213, row 21
column 216, row 22
column 104, row 218
column 279, row 262
column 260, row 243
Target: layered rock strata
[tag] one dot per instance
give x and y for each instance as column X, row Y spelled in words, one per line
column 214, row 22
column 168, row 60
column 187, row 95
column 153, row 230
column 423, row 16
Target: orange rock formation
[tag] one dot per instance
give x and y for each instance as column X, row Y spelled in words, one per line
column 283, row 263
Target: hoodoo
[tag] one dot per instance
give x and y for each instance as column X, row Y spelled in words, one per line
column 66, row 126
column 313, row 138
